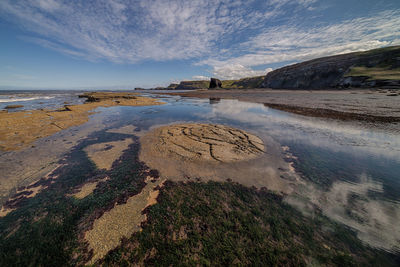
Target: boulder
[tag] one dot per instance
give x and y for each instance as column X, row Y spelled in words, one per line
column 215, row 83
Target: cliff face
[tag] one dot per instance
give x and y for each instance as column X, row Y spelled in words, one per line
column 245, row 83
column 379, row 67
column 192, row 85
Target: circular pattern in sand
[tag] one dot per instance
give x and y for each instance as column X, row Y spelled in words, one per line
column 207, row 142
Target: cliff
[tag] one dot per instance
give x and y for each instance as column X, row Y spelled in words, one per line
column 245, row 83
column 192, row 85
column 374, row 68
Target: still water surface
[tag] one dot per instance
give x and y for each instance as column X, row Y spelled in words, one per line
column 349, row 172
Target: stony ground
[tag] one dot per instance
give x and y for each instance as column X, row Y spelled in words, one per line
column 365, row 105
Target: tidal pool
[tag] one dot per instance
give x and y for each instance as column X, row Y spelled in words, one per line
column 347, row 170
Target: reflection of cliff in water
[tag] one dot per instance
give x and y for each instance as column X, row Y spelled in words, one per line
column 214, row 100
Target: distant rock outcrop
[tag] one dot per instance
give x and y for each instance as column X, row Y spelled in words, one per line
column 192, row 85
column 374, row 68
column 244, row 83
column 172, row 86
column 215, row 83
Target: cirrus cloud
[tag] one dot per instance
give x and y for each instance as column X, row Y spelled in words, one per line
column 234, row 38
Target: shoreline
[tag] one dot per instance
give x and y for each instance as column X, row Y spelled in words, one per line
column 20, row 129
column 372, row 106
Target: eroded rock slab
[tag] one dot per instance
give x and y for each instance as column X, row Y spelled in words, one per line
column 207, row 142
column 204, row 152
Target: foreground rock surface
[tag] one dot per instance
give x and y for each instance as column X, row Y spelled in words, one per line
column 208, row 142
column 209, row 152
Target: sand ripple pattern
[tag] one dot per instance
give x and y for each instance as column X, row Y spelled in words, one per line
column 208, row 142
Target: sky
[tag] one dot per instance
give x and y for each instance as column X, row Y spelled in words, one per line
column 115, row 44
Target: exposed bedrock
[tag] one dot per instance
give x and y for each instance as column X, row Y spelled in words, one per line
column 192, row 85
column 215, row 83
column 212, row 152
column 374, row 68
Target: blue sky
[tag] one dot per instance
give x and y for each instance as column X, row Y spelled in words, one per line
column 146, row 43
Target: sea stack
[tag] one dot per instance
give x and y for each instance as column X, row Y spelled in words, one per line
column 215, row 83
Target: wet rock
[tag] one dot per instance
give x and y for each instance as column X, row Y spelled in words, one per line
column 14, row 106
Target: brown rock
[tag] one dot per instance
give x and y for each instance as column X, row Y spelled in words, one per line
column 208, row 142
column 14, row 106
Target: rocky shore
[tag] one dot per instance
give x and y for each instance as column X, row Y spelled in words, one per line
column 213, row 152
column 21, row 129
column 372, row 106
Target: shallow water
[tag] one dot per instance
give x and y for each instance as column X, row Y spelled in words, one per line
column 348, row 171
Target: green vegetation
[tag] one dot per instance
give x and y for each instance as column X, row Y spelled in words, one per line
column 378, row 51
column 245, row 83
column 228, row 83
column 387, row 68
column 172, row 85
column 193, row 85
column 193, row 223
column 44, row 230
column 375, row 73
column 224, row 224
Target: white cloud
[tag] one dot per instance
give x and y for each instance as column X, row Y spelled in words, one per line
column 135, row 30
column 375, row 220
column 289, row 43
column 48, row 5
column 230, row 36
column 236, row 71
column 280, row 3
column 200, row 77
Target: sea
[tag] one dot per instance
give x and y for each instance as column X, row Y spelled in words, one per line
column 38, row 99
